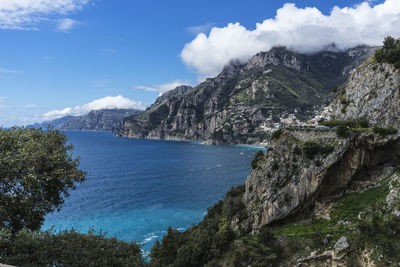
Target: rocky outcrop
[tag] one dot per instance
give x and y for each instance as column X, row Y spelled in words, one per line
column 235, row 106
column 180, row 90
column 393, row 198
column 372, row 93
column 303, row 169
column 289, row 180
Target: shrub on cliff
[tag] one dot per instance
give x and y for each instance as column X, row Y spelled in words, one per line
column 276, row 134
column 311, row 149
column 389, row 52
column 362, row 123
column 343, row 131
column 258, row 156
column 384, row 131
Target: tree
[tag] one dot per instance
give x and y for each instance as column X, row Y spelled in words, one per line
column 389, row 52
column 36, row 172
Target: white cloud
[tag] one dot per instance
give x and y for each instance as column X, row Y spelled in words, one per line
column 161, row 88
column 107, row 51
column 200, row 28
column 2, row 102
column 8, row 74
column 108, row 102
column 300, row 29
column 65, row 25
column 7, row 71
column 27, row 14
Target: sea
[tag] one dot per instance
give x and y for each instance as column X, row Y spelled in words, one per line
column 136, row 188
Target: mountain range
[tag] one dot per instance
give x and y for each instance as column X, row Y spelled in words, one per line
column 96, row 120
column 316, row 197
column 235, row 106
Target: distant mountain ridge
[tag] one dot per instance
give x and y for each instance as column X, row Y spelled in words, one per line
column 180, row 90
column 235, row 106
column 106, row 120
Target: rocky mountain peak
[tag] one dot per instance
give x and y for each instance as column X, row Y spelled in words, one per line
column 232, row 67
column 278, row 56
column 180, row 90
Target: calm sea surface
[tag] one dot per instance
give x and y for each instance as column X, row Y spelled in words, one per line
column 135, row 189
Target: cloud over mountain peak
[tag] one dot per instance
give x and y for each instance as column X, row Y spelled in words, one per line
column 304, row 30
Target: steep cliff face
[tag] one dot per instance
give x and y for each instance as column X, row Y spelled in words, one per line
column 288, row 179
column 232, row 107
column 372, row 93
column 180, row 90
column 296, row 174
column 317, row 197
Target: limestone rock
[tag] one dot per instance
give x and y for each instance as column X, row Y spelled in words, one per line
column 341, row 245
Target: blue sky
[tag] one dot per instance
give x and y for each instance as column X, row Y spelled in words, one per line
column 53, row 58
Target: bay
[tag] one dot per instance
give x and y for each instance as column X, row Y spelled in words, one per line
column 136, row 188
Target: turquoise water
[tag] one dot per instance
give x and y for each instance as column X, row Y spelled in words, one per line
column 135, row 189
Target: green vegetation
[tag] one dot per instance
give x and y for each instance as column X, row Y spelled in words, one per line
column 276, row 134
column 345, row 127
column 257, row 157
column 347, row 123
column 37, row 170
column 384, row 131
column 257, row 250
column 343, row 132
column 358, row 216
column 343, row 100
column 311, row 149
column 275, row 166
column 390, row 52
column 158, row 115
column 204, row 242
column 68, row 248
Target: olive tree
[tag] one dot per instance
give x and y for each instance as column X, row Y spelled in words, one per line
column 37, row 170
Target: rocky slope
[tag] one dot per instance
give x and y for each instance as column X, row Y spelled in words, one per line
column 234, row 106
column 96, row 120
column 52, row 123
column 372, row 93
column 288, row 180
column 180, row 90
column 303, row 170
column 316, row 197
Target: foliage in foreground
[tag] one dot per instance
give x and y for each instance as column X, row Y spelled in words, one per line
column 36, row 171
column 68, row 248
column 204, row 242
column 359, row 216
